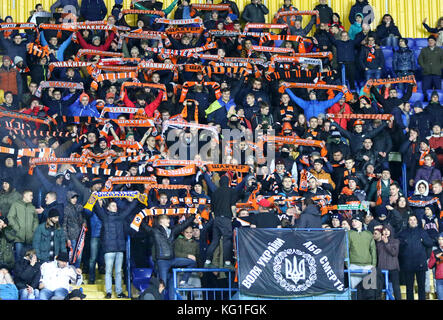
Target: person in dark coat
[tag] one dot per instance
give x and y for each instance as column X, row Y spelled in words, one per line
column 113, row 242
column 387, row 32
column 73, row 222
column 154, row 291
column 310, row 217
column 392, row 100
column 387, row 257
column 223, row 199
column 361, row 6
column 255, row 12
column 27, row 276
column 49, row 239
column 324, row 11
column 413, row 258
column 93, row 10
column 404, row 62
column 372, row 59
column 163, row 238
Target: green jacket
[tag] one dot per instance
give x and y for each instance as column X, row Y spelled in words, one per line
column 362, row 249
column 42, row 242
column 183, row 247
column 7, row 248
column 23, row 220
column 431, row 61
column 7, row 199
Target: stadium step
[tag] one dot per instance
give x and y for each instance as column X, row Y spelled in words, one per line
column 97, row 291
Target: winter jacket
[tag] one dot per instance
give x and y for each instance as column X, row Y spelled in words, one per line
column 346, row 49
column 73, row 219
column 223, row 198
column 218, row 112
column 362, row 7
column 42, row 242
column 13, row 50
column 428, row 174
column 255, row 13
column 113, row 237
column 413, row 244
column 93, row 10
column 310, row 217
column 387, row 254
column 404, row 60
column 164, row 245
column 377, row 62
column 356, row 140
column 7, row 199
column 436, row 263
column 354, row 30
column 60, row 50
column 10, row 80
column 436, row 112
column 184, row 247
column 382, row 32
column 325, row 13
column 313, row 108
column 26, row 275
column 431, row 61
column 90, row 110
column 7, row 248
column 362, row 249
column 23, row 220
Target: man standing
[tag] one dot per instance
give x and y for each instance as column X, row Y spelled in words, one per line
column 362, row 252
column 23, row 220
column 6, row 247
column 255, row 12
column 55, row 278
column 223, row 201
column 49, row 239
column 431, row 61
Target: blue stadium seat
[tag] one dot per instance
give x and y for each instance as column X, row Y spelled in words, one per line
column 411, row 42
column 141, row 278
column 421, row 42
column 419, row 85
column 440, row 94
column 388, row 62
column 416, row 96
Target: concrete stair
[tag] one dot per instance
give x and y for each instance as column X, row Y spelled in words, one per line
column 432, row 295
column 97, row 290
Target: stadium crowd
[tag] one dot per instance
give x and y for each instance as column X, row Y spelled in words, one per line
column 205, row 119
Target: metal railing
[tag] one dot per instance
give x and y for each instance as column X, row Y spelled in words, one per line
column 386, row 290
column 180, row 292
column 128, row 266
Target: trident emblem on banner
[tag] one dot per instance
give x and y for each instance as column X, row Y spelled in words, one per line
column 295, row 271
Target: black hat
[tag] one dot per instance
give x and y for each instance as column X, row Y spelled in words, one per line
column 432, row 37
column 418, row 104
column 358, row 217
column 76, row 293
column 51, row 141
column 4, row 219
column 96, row 180
column 53, row 213
column 8, row 180
column 63, row 256
column 434, row 93
column 319, row 161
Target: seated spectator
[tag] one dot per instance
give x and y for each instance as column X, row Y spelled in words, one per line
column 387, row 32
column 56, row 277
column 27, row 276
column 8, row 290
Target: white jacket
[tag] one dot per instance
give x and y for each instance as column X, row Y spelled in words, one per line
column 54, row 277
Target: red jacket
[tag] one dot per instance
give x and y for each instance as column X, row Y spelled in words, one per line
column 438, row 269
column 336, row 109
column 149, row 108
column 103, row 47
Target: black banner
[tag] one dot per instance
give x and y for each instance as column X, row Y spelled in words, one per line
column 290, row 263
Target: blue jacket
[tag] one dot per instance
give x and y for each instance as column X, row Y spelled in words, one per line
column 90, row 110
column 94, row 223
column 404, row 60
column 60, row 51
column 346, row 49
column 314, row 108
column 93, row 10
column 413, row 244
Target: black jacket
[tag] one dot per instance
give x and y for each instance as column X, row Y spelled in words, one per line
column 113, row 236
column 389, row 103
column 413, row 244
column 164, row 245
column 310, row 217
column 25, row 274
column 223, row 198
